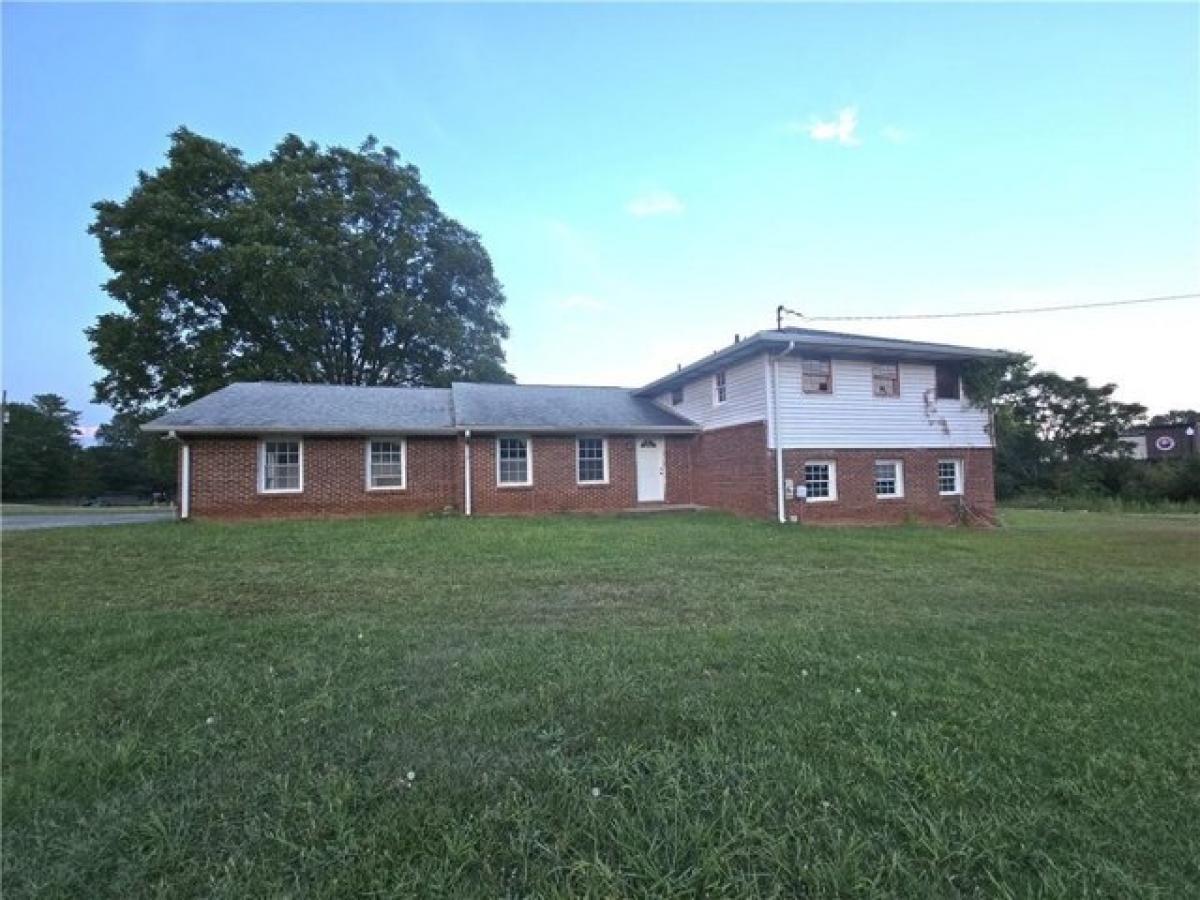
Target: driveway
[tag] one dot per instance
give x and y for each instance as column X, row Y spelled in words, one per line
column 28, row 522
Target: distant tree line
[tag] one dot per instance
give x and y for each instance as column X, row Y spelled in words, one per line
column 44, row 459
column 1059, row 437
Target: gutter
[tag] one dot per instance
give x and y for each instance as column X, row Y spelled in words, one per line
column 780, row 500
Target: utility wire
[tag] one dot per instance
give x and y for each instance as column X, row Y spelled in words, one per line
column 991, row 312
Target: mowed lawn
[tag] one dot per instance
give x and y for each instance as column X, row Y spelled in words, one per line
column 609, row 707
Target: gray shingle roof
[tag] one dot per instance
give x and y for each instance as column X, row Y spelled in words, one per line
column 257, row 407
column 556, row 407
column 837, row 343
column 268, row 407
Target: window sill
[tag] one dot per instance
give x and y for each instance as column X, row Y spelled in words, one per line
column 889, row 496
column 387, row 490
column 587, row 484
column 820, row 500
column 280, row 493
column 523, row 486
column 950, row 493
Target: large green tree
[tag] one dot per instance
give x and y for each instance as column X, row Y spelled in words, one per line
column 40, row 449
column 312, row 265
column 1052, row 433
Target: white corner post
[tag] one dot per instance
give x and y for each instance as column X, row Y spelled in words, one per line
column 467, row 472
column 185, row 480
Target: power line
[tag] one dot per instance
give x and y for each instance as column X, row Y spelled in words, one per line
column 991, row 312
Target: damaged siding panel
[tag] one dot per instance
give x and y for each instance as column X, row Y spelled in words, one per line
column 853, row 417
column 745, row 393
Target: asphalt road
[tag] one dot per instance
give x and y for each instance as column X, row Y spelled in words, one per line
column 81, row 520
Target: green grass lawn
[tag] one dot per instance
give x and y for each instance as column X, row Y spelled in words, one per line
column 649, row 706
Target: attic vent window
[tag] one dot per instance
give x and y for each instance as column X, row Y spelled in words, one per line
column 676, row 396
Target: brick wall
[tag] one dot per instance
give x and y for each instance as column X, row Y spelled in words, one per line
column 225, row 479
column 732, row 469
column 856, row 502
column 729, row 468
column 555, row 488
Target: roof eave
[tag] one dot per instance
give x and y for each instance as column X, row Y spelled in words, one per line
column 780, row 342
column 251, row 430
column 582, row 429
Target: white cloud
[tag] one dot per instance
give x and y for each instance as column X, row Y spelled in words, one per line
column 894, row 135
column 585, row 302
column 655, row 203
column 841, row 129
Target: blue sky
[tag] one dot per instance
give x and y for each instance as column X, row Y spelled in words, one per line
column 652, row 179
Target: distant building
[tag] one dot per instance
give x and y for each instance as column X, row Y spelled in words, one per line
column 1163, row 441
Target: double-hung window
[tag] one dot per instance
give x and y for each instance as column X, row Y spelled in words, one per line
column 885, row 379
column 949, row 475
column 816, row 375
column 281, row 466
column 513, row 463
column 889, row 478
column 591, row 460
column 385, row 464
column 820, row 481
column 720, row 392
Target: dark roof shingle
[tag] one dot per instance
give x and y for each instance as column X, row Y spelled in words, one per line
column 271, row 407
column 558, row 407
column 255, row 407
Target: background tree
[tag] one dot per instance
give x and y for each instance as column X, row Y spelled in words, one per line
column 313, row 265
column 40, row 449
column 1175, row 417
column 1053, row 433
column 126, row 460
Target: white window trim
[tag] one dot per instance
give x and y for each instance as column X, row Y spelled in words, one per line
column 262, row 464
column 528, row 461
column 604, row 445
column 958, row 478
column 899, row 464
column 716, row 397
column 393, row 439
column 833, row 492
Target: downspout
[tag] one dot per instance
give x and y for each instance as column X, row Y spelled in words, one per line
column 779, row 497
column 185, row 479
column 467, row 472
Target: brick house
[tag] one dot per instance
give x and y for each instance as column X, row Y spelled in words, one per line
column 794, row 424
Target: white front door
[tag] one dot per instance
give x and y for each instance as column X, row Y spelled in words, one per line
column 651, row 470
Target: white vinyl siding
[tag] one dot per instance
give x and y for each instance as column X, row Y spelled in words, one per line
column 745, row 397
column 386, row 464
column 281, row 466
column 853, row 417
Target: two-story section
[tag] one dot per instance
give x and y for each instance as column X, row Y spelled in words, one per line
column 817, row 426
